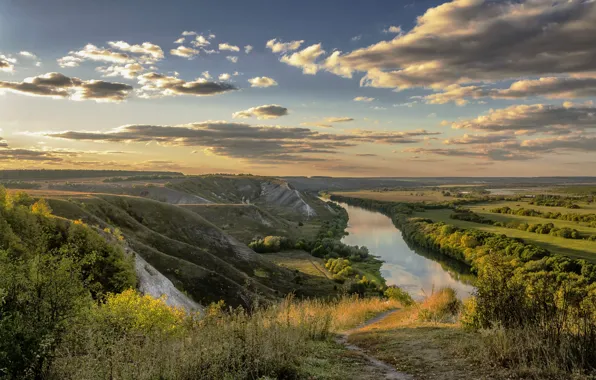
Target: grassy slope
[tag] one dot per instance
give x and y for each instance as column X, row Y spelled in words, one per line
column 243, row 221
column 197, row 256
column 581, row 249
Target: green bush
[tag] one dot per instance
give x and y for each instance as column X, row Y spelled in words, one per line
column 394, row 292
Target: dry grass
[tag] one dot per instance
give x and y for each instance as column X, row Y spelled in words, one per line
column 269, row 342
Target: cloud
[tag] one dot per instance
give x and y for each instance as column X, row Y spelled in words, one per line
column 57, row 85
column 527, row 119
column 149, row 52
column 201, row 41
column 248, row 49
column 189, row 33
column 338, row 119
column 328, row 122
column 480, row 139
column 256, row 143
column 227, row 46
column 185, row 52
column 129, row 71
column 180, row 40
column 262, row 82
column 465, row 41
column 93, row 53
column 232, row 59
column 356, row 38
column 495, row 154
column 393, row 29
column 27, row 54
column 363, row 99
column 549, row 87
column 224, row 77
column 6, row 65
column 271, row 111
column 305, row 59
column 157, row 85
column 283, row 47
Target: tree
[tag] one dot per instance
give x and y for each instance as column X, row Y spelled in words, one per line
column 41, row 207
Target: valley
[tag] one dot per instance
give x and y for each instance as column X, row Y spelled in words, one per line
column 255, row 251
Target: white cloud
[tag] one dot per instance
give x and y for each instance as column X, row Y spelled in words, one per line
column 393, row 29
column 262, row 82
column 363, row 99
column 282, row 47
column 227, row 46
column 200, row 41
column 185, row 52
column 27, row 54
column 224, row 77
column 232, row 58
column 189, row 33
column 150, row 52
column 129, row 71
column 93, row 53
column 180, row 40
column 248, row 49
column 305, row 59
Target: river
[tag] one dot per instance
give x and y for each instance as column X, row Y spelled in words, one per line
column 403, row 266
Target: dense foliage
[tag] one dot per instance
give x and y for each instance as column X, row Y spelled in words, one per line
column 538, row 228
column 50, row 272
column 555, row 201
column 571, row 217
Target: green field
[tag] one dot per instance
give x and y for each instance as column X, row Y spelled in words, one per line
column 585, row 207
column 580, row 249
column 484, row 210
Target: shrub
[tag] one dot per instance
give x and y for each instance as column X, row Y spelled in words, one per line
column 441, row 306
column 396, row 293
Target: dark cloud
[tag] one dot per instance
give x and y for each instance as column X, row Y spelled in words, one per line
column 5, row 65
column 466, row 41
column 60, row 86
column 550, row 87
column 154, row 84
column 240, row 140
column 269, row 111
column 533, row 119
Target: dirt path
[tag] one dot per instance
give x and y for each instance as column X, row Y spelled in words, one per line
column 385, row 371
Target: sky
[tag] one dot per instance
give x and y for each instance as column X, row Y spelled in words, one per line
column 340, row 88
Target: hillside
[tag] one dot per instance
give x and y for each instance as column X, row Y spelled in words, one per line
column 244, row 221
column 198, row 257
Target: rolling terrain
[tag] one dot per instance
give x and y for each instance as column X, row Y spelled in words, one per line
column 190, row 242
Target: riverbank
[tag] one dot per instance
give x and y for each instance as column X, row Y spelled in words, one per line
column 413, row 269
column 545, row 304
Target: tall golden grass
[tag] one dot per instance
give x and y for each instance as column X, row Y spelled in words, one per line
column 232, row 344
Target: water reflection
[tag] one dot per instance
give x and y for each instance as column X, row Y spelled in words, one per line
column 403, row 266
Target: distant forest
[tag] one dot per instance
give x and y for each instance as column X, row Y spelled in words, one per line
column 66, row 174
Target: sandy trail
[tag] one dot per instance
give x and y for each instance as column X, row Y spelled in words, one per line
column 385, row 371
